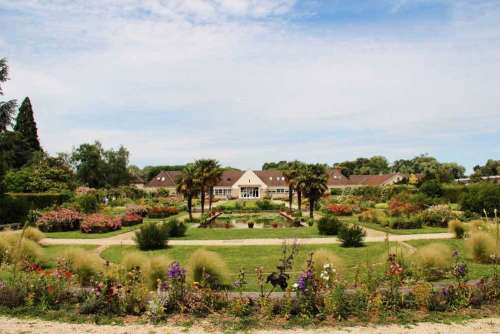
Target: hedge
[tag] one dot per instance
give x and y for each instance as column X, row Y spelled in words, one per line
column 14, row 207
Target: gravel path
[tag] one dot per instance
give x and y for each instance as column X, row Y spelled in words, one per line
column 242, row 242
column 18, row 326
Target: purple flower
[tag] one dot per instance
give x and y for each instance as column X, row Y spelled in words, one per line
column 163, row 286
column 175, row 271
column 301, row 283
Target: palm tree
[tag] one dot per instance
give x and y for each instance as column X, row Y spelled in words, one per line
column 214, row 178
column 188, row 186
column 208, row 175
column 315, row 180
column 292, row 173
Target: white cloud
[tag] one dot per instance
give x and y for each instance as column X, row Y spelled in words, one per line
column 249, row 91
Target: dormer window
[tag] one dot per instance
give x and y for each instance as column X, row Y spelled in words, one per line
column 162, row 178
column 270, row 178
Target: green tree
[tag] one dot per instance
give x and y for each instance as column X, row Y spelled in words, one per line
column 15, row 149
column 2, row 174
column 315, row 184
column 188, row 186
column 26, row 125
column 90, row 165
column 208, row 173
column 365, row 166
column 490, row 168
column 280, row 165
column 116, row 167
column 7, row 108
column 214, row 177
column 292, row 174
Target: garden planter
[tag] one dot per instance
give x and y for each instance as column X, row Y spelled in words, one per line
column 250, row 225
column 275, row 225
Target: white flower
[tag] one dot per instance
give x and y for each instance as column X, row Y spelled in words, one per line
column 295, row 285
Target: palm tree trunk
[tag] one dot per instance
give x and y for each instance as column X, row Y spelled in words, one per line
column 202, row 202
column 290, row 197
column 210, row 199
column 299, row 200
column 190, row 207
column 311, row 208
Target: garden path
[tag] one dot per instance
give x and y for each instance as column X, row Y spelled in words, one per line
column 14, row 325
column 122, row 240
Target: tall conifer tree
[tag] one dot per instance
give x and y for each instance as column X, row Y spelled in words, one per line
column 26, row 125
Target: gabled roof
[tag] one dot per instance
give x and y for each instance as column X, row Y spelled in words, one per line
column 229, row 177
column 272, row 178
column 167, row 179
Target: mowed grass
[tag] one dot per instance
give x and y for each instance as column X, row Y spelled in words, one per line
column 250, row 257
column 194, row 233
column 476, row 270
column 423, row 230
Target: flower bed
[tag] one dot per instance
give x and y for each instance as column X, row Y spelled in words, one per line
column 398, row 207
column 59, row 220
column 98, row 223
column 339, row 209
column 130, row 219
column 137, row 209
column 162, row 212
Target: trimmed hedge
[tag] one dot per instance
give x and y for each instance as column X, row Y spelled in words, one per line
column 481, row 196
column 14, row 207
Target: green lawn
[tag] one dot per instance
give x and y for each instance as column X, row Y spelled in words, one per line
column 476, row 270
column 194, row 233
column 249, row 257
column 423, row 230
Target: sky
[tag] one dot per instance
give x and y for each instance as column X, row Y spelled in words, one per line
column 250, row 81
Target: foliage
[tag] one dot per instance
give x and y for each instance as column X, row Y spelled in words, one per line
column 98, row 223
column 280, row 165
column 352, row 236
column 140, row 210
column 490, row 168
column 314, row 184
column 398, row 207
column 323, row 257
column 6, row 108
column 339, row 209
column 329, row 225
column 431, row 188
column 136, row 260
column 373, row 216
column 453, row 192
column 481, row 247
column 151, row 235
column 266, row 204
column 86, row 265
column 14, row 148
column 26, row 125
column 437, row 215
column 207, row 268
column 97, row 167
column 130, row 219
column 481, row 196
column 34, row 234
column 188, row 186
column 162, row 212
column 433, row 260
column 406, row 222
column 366, row 166
column 157, row 270
column 457, row 228
column 430, row 168
column 59, row 220
column 13, row 249
column 175, row 228
column 88, row 203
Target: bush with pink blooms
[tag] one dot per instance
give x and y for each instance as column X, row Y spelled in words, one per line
column 59, row 220
column 340, row 209
column 97, row 223
column 130, row 219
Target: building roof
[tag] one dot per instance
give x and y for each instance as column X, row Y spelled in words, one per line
column 165, row 179
column 136, row 179
column 272, row 178
column 229, row 177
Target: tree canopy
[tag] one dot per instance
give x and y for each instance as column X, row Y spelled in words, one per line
column 490, row 168
column 26, row 125
column 7, row 108
column 365, row 166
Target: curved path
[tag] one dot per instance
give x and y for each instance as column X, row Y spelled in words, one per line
column 242, row 242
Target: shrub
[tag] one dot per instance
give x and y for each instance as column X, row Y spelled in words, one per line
column 453, row 192
column 59, row 220
column 431, row 188
column 88, row 203
column 481, row 196
column 12, row 210
column 175, row 228
column 157, row 270
column 329, row 225
column 321, row 257
column 136, row 260
column 381, row 206
column 352, row 236
column 372, row 216
column 413, row 222
column 11, row 249
column 433, row 260
column 34, row 234
column 97, row 223
column 481, row 247
column 87, row 265
column 398, row 207
column 339, row 209
column 140, row 210
column 130, row 219
column 162, row 212
column 207, row 267
column 151, row 235
column 457, row 228
column 437, row 215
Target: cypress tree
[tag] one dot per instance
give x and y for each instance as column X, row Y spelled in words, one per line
column 26, row 125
